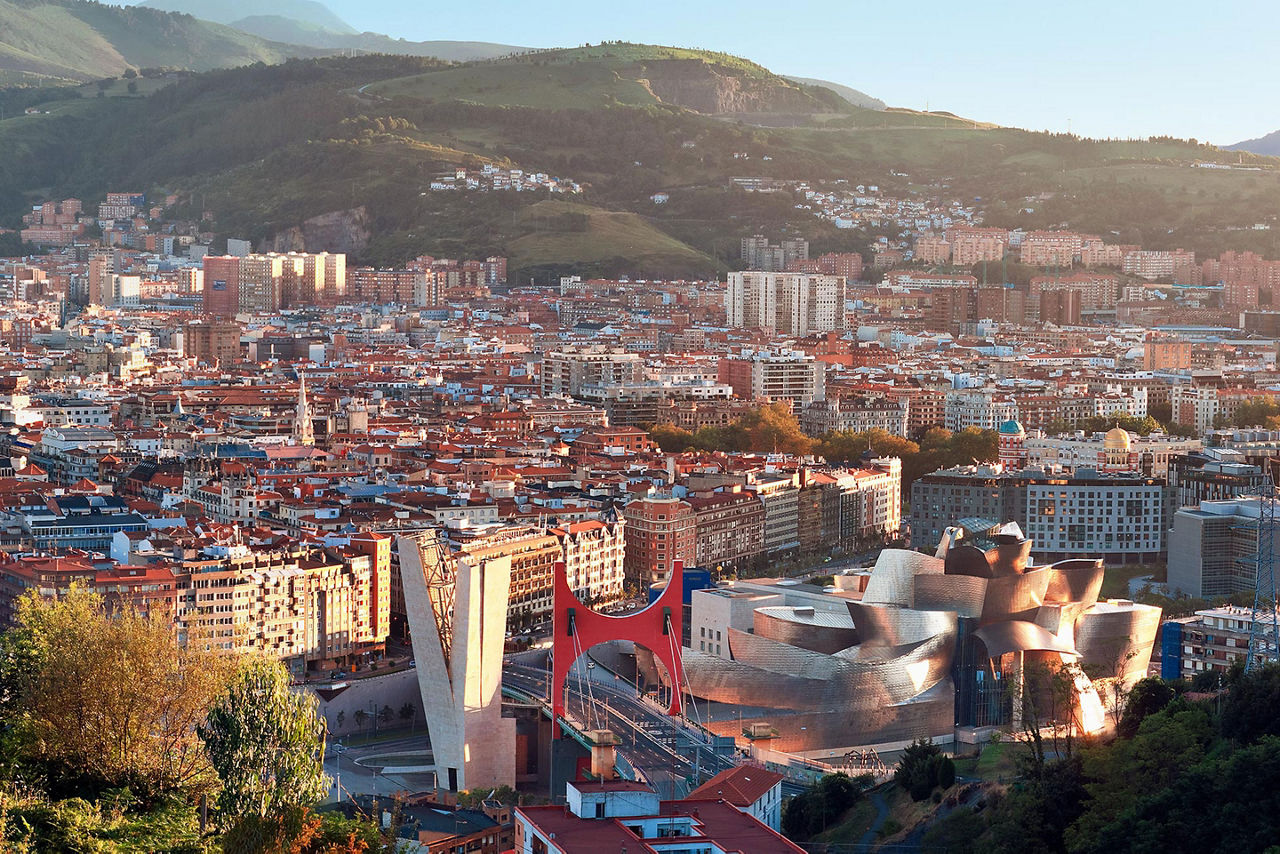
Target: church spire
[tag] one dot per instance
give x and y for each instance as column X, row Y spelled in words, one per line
column 303, row 430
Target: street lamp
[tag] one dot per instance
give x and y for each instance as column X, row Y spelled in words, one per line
column 339, row 749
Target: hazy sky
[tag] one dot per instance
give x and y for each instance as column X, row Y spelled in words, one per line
column 1118, row 68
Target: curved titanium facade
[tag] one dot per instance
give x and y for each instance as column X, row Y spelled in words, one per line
column 927, row 647
column 819, row 631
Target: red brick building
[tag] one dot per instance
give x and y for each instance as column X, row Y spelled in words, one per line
column 221, row 285
column 659, row 531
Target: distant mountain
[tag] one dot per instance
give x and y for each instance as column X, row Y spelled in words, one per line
column 313, row 14
column 292, row 31
column 853, row 96
column 1269, row 144
column 74, row 41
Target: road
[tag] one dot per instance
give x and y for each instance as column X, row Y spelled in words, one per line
column 360, row 771
column 597, row 698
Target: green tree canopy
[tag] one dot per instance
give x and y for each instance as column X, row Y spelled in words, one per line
column 266, row 742
column 923, row 768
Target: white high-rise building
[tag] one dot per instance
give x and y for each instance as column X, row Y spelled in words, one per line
column 567, row 371
column 796, row 304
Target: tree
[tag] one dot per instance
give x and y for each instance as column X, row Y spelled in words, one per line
column 923, row 768
column 298, row 830
column 408, row 713
column 475, row 798
column 1034, row 816
column 110, row 695
column 849, row 445
column 266, row 742
column 129, row 74
column 1249, row 711
column 1257, row 412
column 810, row 812
column 132, row 87
column 671, row 438
column 769, row 429
column 342, row 718
column 361, row 717
column 1147, row 697
column 386, row 715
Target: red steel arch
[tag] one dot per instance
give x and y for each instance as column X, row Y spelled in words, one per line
column 659, row 628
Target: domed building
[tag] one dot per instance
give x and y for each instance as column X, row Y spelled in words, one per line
column 1117, row 451
column 1011, row 439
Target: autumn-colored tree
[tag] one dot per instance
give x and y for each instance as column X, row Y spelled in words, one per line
column 767, row 430
column 848, row 445
column 111, row 695
column 671, row 438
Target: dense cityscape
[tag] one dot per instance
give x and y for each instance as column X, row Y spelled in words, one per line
column 704, row 496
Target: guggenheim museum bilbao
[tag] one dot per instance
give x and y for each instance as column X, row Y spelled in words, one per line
column 922, row 646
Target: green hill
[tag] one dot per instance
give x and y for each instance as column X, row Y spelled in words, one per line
column 635, row 75
column 73, row 40
column 265, row 148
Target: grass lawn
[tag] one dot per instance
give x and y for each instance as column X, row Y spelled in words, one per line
column 606, row 235
column 550, row 87
column 1115, row 584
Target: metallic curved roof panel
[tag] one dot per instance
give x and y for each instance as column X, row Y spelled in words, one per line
column 1020, row 636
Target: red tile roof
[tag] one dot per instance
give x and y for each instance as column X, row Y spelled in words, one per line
column 741, row 786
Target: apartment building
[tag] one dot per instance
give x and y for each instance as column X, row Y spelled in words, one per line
column 870, row 500
column 1097, row 291
column 399, row 287
column 659, row 530
column 1212, row 474
column 846, row 264
column 212, row 342
column 786, row 375
column 985, row 410
column 1151, row 454
column 931, row 249
column 566, row 372
column 1051, row 248
column 594, row 557
column 780, row 495
column 313, row 608
column 972, row 245
column 1121, row 517
column 856, row 414
column 730, row 527
column 758, row 253
column 797, row 304
column 221, row 295
column 913, row 280
column 533, row 553
column 1212, row 641
column 1178, row 265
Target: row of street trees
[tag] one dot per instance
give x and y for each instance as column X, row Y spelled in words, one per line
column 774, row 429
